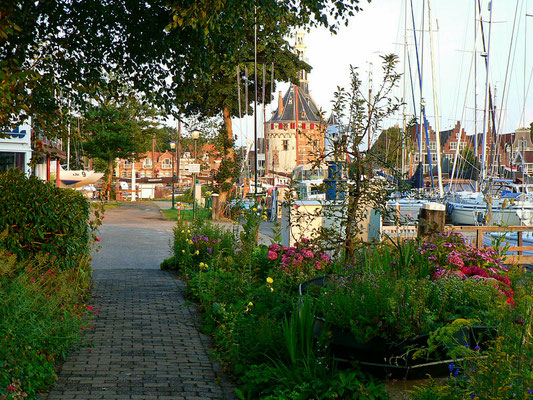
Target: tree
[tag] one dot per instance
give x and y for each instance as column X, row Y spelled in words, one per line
column 117, row 127
column 231, row 49
column 357, row 116
column 388, row 147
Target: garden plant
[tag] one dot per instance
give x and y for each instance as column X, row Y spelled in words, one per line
column 45, row 242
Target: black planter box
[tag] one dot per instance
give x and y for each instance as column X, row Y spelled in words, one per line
column 386, row 360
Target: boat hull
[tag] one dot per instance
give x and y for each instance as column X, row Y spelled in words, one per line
column 462, row 213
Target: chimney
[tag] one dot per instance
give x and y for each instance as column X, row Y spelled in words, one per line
column 280, row 104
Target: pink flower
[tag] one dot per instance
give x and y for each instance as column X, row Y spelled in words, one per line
column 98, row 239
column 308, row 254
column 275, row 247
column 272, row 255
column 455, row 261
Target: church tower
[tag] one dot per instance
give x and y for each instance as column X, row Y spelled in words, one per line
column 296, row 131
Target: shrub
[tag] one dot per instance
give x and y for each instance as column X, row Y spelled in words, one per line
column 36, row 216
column 41, row 318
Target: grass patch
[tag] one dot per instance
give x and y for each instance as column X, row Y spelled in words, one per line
column 186, row 215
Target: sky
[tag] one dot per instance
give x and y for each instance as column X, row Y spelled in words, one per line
column 379, row 29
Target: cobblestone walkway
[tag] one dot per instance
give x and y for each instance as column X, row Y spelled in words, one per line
column 145, row 344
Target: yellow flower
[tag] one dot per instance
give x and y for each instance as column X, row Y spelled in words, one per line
column 271, row 289
column 206, row 266
column 197, row 252
column 254, row 209
column 183, row 251
column 182, row 231
column 250, row 304
column 202, row 265
column 188, row 231
column 191, row 242
column 270, row 280
column 264, row 217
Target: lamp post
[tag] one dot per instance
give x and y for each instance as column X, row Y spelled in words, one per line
column 172, row 146
column 195, row 135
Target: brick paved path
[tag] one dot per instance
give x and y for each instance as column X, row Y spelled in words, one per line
column 145, row 343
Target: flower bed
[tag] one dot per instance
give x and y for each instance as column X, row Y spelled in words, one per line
column 415, row 298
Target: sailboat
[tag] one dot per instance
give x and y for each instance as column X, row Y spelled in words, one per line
column 77, row 178
column 504, row 202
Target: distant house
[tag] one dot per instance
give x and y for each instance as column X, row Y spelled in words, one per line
column 518, row 150
column 451, row 141
column 160, row 165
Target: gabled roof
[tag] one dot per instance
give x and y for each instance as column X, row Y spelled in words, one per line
column 307, row 109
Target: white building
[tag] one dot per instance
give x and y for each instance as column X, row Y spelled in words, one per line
column 15, row 150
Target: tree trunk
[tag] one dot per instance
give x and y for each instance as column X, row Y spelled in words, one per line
column 110, row 165
column 229, row 155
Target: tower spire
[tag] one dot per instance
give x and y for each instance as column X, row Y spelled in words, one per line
column 301, row 51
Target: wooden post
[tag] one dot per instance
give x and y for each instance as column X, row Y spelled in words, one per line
column 519, row 242
column 215, row 206
column 57, row 172
column 431, row 219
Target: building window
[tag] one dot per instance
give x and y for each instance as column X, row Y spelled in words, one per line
column 315, row 143
column 166, row 163
column 127, row 164
column 280, row 126
column 303, row 125
column 416, row 157
column 453, row 145
column 423, row 146
column 523, row 144
column 462, row 146
column 432, row 146
column 285, row 145
column 271, row 126
column 433, row 157
column 311, row 126
column 147, row 163
column 293, row 125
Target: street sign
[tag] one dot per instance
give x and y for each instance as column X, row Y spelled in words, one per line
column 194, row 168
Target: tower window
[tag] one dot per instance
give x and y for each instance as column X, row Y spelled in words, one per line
column 312, row 126
column 285, row 145
column 280, row 126
column 271, row 126
column 293, row 125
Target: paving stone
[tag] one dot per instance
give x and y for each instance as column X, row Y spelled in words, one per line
column 145, row 344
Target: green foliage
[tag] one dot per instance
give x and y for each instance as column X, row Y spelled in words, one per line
column 393, row 295
column 36, row 216
column 262, row 333
column 41, row 319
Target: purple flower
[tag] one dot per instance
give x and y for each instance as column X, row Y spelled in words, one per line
column 194, row 239
column 451, row 367
column 325, row 257
column 209, row 249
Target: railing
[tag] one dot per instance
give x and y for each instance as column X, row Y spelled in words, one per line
column 476, row 236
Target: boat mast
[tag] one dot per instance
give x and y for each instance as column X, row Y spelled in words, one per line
column 485, row 110
column 404, row 89
column 435, row 104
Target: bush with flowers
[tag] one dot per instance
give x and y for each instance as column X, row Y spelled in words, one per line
column 399, row 291
column 300, row 262
column 43, row 286
column 451, row 254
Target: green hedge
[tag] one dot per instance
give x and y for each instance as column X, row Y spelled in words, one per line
column 36, row 216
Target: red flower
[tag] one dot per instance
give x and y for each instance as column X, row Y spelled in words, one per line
column 98, row 239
